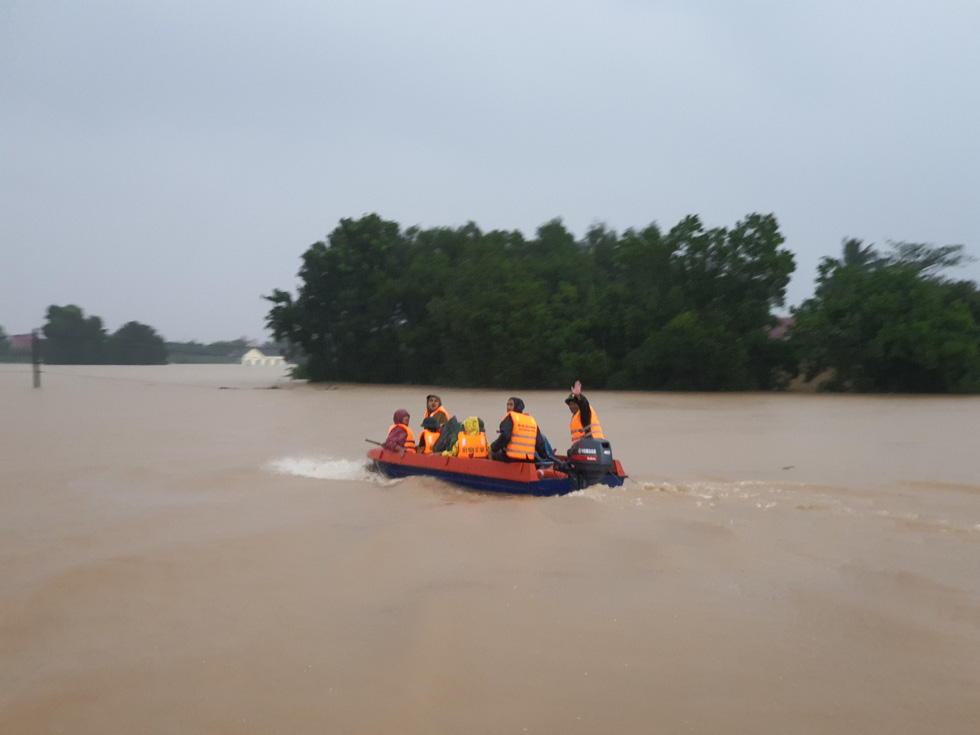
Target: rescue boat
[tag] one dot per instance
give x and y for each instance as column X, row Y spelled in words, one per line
column 589, row 462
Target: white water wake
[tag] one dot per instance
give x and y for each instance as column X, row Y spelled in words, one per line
column 328, row 469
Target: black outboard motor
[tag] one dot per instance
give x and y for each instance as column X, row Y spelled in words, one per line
column 589, row 460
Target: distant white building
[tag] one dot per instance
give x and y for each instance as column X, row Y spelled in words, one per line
column 255, row 356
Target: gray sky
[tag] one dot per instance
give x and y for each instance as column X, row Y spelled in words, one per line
column 169, row 162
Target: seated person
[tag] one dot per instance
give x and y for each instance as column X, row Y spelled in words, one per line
column 435, row 409
column 519, row 438
column 429, row 435
column 471, row 442
column 400, row 437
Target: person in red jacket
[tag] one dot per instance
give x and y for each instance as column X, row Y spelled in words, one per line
column 400, row 437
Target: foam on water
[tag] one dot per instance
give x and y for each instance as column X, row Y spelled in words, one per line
column 763, row 496
column 328, row 469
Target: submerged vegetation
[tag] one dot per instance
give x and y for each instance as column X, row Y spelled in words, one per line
column 686, row 309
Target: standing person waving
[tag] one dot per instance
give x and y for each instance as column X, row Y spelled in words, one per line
column 585, row 421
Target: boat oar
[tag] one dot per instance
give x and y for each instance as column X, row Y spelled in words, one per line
column 371, row 441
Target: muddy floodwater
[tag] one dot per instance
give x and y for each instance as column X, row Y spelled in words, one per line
column 202, row 549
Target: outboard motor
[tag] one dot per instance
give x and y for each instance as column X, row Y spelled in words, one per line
column 590, row 460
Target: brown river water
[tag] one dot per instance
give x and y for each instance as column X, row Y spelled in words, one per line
column 184, row 550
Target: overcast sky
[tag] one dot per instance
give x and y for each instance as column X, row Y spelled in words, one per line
column 169, row 162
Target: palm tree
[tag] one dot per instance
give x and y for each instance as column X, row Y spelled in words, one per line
column 865, row 258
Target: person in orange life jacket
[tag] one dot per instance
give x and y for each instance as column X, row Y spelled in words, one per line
column 585, row 421
column 400, row 437
column 434, row 409
column 429, row 435
column 519, row 436
column 470, row 443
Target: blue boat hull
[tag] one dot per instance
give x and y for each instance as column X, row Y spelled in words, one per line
column 485, row 475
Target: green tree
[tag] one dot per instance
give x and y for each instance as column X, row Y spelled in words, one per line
column 4, row 342
column 689, row 353
column 736, row 276
column 71, row 338
column 856, row 253
column 894, row 328
column 637, row 293
column 136, row 344
column 965, row 292
column 464, row 307
column 514, row 312
column 436, row 257
column 348, row 315
column 706, row 293
column 926, row 259
column 475, row 316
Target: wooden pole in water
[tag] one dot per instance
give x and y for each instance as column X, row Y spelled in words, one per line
column 36, row 358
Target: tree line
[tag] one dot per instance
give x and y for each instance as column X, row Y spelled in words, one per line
column 72, row 338
column 690, row 308
column 891, row 322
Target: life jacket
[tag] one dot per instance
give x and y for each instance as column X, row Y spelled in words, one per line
column 472, row 446
column 580, row 432
column 430, row 438
column 409, row 439
column 523, row 437
column 442, row 410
